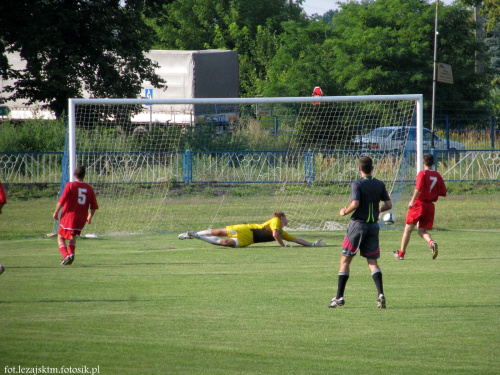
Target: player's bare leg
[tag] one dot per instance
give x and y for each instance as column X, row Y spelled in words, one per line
column 72, row 247
column 405, row 240
column 227, row 242
column 432, row 244
column 219, row 232
column 63, row 249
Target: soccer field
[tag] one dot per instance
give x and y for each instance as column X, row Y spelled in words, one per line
column 151, row 304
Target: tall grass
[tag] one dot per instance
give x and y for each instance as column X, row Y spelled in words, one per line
column 33, row 136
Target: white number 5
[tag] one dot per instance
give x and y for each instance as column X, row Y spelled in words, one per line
column 434, row 182
column 82, row 197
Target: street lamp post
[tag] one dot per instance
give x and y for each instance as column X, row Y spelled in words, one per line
column 434, row 74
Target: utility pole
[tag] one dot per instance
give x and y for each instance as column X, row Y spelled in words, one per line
column 434, row 74
column 479, row 38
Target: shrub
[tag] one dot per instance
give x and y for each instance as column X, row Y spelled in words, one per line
column 33, row 136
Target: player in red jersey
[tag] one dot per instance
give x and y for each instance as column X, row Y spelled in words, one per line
column 3, row 201
column 79, row 203
column 429, row 187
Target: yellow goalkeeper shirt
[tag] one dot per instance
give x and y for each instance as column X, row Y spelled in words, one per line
column 264, row 232
column 248, row 234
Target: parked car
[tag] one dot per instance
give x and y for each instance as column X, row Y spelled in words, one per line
column 393, row 138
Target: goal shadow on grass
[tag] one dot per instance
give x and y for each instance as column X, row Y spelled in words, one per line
column 132, row 299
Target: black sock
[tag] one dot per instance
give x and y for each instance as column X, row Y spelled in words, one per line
column 343, row 277
column 377, row 277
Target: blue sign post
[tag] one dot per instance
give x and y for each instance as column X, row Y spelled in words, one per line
column 149, row 95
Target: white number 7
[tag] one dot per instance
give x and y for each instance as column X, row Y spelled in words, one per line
column 82, row 195
column 434, row 182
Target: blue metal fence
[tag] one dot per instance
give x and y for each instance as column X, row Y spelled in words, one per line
column 241, row 167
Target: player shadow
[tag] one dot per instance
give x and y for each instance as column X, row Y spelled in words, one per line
column 110, row 265
column 474, row 259
column 457, row 306
column 131, row 299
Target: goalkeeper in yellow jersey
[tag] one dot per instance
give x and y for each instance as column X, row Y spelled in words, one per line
column 243, row 235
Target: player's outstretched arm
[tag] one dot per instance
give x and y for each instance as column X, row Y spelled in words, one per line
column 386, row 206
column 302, row 242
column 278, row 238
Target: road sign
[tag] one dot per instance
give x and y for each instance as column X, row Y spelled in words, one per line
column 444, row 73
column 149, row 94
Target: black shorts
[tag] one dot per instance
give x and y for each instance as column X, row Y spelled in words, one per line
column 362, row 237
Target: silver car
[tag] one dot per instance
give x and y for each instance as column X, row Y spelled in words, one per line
column 393, row 138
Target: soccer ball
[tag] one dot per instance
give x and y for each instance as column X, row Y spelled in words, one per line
column 389, row 218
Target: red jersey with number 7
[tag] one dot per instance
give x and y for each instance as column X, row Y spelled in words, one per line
column 431, row 186
column 76, row 200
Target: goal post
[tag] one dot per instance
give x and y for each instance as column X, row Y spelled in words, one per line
column 178, row 164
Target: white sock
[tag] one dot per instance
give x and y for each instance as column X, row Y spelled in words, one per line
column 210, row 239
column 206, row 232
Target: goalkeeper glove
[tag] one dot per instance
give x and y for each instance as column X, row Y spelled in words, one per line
column 319, row 243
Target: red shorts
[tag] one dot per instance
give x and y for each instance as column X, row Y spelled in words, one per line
column 67, row 233
column 422, row 213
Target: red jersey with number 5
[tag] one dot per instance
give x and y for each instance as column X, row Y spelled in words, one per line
column 3, row 200
column 431, row 186
column 76, row 200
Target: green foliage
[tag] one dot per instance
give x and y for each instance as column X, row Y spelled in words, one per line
column 202, row 24
column 490, row 9
column 386, row 47
column 33, row 136
column 379, row 47
column 473, row 188
column 159, row 138
column 258, row 137
column 70, row 46
column 300, row 63
column 104, row 138
column 250, row 27
column 30, row 191
column 205, row 137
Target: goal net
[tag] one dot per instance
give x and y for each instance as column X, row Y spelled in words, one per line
column 178, row 164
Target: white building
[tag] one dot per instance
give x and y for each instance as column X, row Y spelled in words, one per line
column 188, row 74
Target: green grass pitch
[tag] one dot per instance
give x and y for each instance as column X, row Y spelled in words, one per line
column 151, row 304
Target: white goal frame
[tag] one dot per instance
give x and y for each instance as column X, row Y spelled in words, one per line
column 418, row 98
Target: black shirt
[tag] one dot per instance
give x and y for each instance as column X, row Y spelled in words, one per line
column 369, row 192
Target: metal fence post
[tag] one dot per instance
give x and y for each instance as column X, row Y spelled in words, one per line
column 492, row 122
column 309, row 167
column 447, row 117
column 275, row 127
column 187, row 167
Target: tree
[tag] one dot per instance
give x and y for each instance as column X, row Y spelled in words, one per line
column 74, row 46
column 386, row 47
column 490, row 9
column 251, row 27
column 301, row 62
